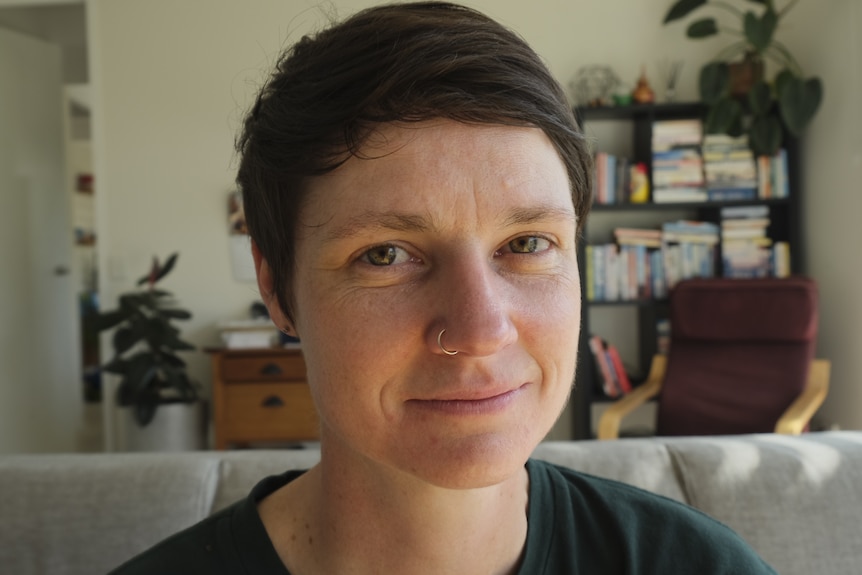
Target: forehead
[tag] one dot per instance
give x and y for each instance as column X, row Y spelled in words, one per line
column 440, row 168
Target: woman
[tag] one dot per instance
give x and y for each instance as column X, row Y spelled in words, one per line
column 414, row 185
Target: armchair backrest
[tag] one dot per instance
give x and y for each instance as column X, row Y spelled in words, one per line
column 739, row 356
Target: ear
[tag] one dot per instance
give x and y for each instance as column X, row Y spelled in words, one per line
column 267, row 292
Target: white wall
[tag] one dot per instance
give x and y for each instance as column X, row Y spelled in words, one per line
column 40, row 394
column 172, row 80
column 827, row 40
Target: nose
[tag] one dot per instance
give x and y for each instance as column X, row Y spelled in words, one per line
column 476, row 311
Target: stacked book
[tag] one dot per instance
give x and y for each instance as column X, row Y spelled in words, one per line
column 677, row 165
column 747, row 251
column 249, row 334
column 689, row 250
column 728, row 164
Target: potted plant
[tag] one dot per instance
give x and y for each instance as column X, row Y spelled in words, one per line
column 146, row 343
column 733, row 90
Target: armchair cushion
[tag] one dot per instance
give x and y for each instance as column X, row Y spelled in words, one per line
column 740, row 354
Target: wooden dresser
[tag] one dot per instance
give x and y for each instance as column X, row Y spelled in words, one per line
column 261, row 395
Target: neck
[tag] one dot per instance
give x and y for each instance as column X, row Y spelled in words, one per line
column 368, row 518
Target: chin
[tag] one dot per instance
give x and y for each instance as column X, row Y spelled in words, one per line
column 472, row 463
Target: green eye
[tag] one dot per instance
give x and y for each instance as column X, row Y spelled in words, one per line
column 528, row 245
column 383, row 255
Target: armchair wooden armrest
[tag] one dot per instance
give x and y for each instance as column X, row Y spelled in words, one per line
column 609, row 424
column 800, row 412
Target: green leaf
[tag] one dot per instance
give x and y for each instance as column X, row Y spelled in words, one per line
column 175, row 343
column 723, row 116
column 781, row 80
column 173, row 360
column 125, row 338
column 145, row 411
column 176, row 313
column 682, row 8
column 702, row 28
column 110, row 319
column 714, row 82
column 131, row 301
column 760, row 98
column 169, row 265
column 736, row 129
column 764, row 136
column 799, row 100
column 117, row 365
column 759, row 31
column 762, row 2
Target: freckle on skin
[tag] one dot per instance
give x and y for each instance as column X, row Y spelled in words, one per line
column 310, row 540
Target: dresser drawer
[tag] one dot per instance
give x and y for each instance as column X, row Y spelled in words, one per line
column 269, row 412
column 263, row 368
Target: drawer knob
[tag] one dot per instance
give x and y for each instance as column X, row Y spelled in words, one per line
column 270, row 369
column 272, row 401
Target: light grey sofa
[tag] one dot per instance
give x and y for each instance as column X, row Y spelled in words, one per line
column 797, row 500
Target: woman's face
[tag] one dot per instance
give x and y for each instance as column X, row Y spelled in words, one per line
column 440, row 225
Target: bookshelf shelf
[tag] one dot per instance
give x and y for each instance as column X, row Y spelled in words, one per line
column 653, row 207
column 632, row 322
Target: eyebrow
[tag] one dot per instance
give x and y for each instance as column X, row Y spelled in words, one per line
column 370, row 221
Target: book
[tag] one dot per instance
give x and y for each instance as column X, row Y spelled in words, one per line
column 606, row 379
column 622, row 378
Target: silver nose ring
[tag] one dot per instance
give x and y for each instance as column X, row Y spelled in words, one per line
column 440, row 343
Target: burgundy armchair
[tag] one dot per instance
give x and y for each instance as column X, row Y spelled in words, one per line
column 740, row 361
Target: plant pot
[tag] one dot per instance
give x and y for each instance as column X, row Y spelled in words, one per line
column 744, row 75
column 175, row 427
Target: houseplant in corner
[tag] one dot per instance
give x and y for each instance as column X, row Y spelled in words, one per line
column 740, row 98
column 154, row 386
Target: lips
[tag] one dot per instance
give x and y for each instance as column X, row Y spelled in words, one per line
column 473, row 402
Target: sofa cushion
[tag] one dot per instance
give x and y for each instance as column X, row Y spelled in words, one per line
column 641, row 462
column 73, row 514
column 794, row 499
column 241, row 470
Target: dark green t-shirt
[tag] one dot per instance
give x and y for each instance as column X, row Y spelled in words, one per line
column 577, row 523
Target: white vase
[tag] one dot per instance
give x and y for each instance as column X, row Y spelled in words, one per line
column 175, row 427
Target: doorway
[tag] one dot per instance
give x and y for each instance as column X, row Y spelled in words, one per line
column 49, row 387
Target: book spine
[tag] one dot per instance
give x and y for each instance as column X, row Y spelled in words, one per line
column 603, row 368
column 623, row 380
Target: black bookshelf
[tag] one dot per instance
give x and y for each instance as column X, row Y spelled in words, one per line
column 785, row 226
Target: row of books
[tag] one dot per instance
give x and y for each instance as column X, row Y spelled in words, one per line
column 689, row 166
column 645, row 264
column 611, row 374
column 618, row 180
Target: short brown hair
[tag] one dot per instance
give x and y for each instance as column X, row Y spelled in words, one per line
column 393, row 63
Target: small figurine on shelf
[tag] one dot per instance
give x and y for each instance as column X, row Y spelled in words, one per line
column 639, row 191
column 643, row 93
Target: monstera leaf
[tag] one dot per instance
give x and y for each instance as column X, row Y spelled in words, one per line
column 799, row 100
column 682, row 8
column 725, row 116
column 760, row 98
column 714, row 82
column 764, row 136
column 759, row 31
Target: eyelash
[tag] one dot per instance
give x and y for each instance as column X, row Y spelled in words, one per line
column 365, row 257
